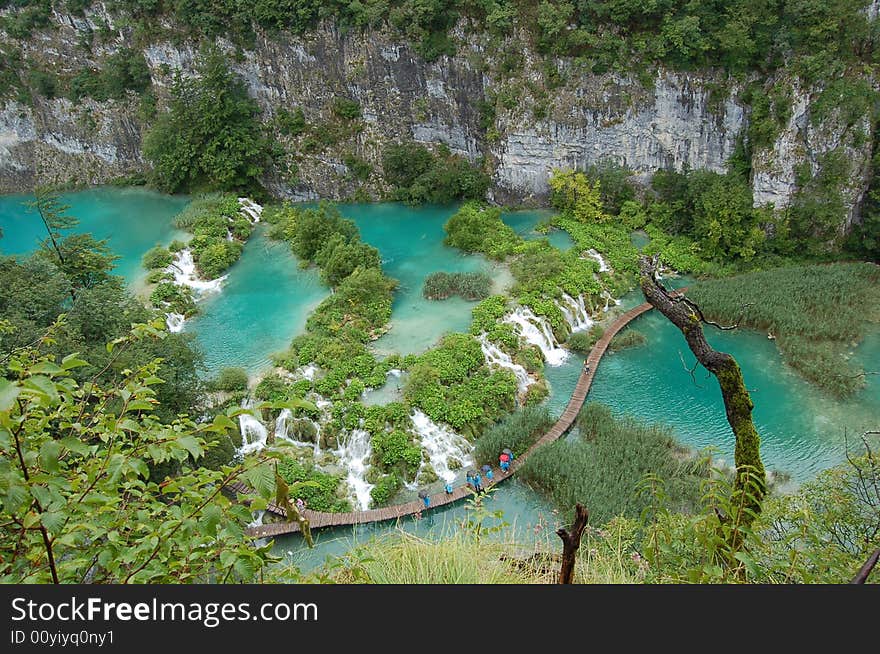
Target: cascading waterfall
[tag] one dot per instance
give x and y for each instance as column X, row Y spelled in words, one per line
column 608, row 300
column 183, row 267
column 175, row 322
column 354, row 454
column 537, row 331
column 282, row 431
column 603, row 266
column 575, row 312
column 496, row 356
column 250, row 209
column 253, row 432
column 442, row 445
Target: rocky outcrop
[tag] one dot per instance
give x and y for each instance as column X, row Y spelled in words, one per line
column 671, row 120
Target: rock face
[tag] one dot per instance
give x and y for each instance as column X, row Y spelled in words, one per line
column 668, row 121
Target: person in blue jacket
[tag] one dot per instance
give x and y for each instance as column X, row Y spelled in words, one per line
column 448, row 488
column 425, row 498
column 478, row 483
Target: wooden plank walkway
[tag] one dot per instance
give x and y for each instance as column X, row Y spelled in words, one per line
column 318, row 519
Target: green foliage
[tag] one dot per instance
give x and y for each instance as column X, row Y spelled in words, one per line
column 479, row 228
column 583, row 342
column 211, row 138
column 231, row 380
column 817, row 209
column 385, row 489
column 123, row 71
column 321, row 493
column 487, row 313
column 419, row 176
column 360, row 305
column 79, row 503
column 577, row 196
column 451, row 383
column 395, row 449
column 470, row 286
column 814, row 311
column 157, row 257
column 573, row 471
column 517, row 432
column 291, row 124
column 346, row 108
column 213, row 218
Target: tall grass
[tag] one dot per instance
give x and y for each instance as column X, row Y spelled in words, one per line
column 602, row 467
column 469, row 285
column 517, row 431
column 814, row 311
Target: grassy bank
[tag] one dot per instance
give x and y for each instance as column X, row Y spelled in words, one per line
column 815, row 312
column 603, row 467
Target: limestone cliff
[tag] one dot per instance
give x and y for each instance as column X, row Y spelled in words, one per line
column 647, row 122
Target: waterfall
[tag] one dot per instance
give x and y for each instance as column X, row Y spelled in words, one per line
column 608, row 300
column 442, row 445
column 575, row 312
column 603, row 266
column 281, row 423
column 258, row 519
column 175, row 322
column 537, row 331
column 282, row 431
column 495, row 356
column 184, row 270
column 354, row 454
column 250, row 209
column 253, row 432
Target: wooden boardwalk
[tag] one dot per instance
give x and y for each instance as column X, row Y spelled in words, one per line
column 318, row 519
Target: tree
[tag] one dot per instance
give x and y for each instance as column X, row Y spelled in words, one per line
column 78, row 504
column 211, row 138
column 573, row 193
column 750, row 484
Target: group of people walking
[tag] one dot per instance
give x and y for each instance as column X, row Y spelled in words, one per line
column 474, row 478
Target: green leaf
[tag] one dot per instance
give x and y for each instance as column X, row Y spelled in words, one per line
column 141, row 405
column 8, row 393
column 53, row 521
column 262, row 480
column 46, row 368
column 72, row 361
column 191, row 445
column 49, row 453
column 43, row 387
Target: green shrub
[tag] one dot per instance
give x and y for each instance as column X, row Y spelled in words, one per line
column 385, row 489
column 479, row 228
column 626, row 339
column 231, row 380
column 470, row 286
column 517, row 432
column 157, row 257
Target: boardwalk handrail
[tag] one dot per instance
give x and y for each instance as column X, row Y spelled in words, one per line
column 319, row 519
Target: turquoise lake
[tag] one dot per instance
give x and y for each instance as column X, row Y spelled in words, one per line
column 267, row 298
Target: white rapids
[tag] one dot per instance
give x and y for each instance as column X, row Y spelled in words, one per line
column 575, row 312
column 497, row 357
column 442, row 445
column 253, row 432
column 354, row 454
column 536, row 331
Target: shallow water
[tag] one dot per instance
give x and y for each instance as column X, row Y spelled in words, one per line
column 264, row 302
column 528, row 515
column 132, row 219
column 802, row 430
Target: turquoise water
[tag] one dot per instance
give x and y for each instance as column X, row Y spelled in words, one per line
column 523, row 222
column 802, row 430
column 528, row 516
column 265, row 301
column 132, row 219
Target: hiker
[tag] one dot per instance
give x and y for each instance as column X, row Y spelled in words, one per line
column 509, row 453
column 478, row 483
column 470, row 479
column 488, row 470
column 448, row 488
column 504, row 462
column 425, row 498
